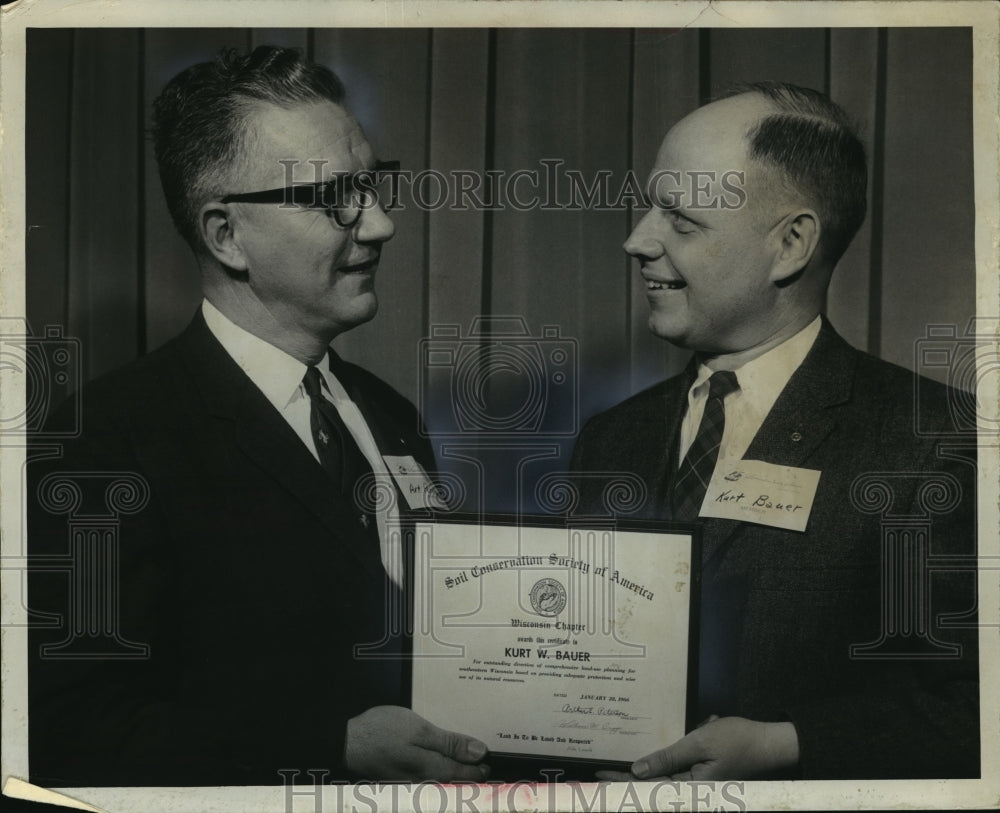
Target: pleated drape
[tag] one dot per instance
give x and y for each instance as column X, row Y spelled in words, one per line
column 104, row 262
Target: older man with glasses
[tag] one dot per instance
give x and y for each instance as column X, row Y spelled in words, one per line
column 264, row 593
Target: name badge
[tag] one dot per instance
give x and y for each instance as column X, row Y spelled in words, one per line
column 763, row 493
column 413, row 482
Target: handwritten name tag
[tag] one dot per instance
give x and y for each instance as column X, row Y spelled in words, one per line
column 754, row 491
column 413, row 482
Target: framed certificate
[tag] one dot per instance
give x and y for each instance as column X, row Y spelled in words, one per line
column 555, row 642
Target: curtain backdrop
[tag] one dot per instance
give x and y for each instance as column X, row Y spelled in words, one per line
column 104, row 261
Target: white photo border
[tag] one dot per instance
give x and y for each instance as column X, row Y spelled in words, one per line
column 984, row 20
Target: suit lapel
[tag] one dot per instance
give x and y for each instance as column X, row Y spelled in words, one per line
column 267, row 439
column 380, row 421
column 801, row 419
column 804, row 414
column 674, row 405
column 641, row 443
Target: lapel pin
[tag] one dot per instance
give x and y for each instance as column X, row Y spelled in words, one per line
column 363, row 519
column 796, row 437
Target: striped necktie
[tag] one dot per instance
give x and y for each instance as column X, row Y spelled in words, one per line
column 698, row 465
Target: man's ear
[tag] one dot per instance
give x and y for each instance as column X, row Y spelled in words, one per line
column 799, row 235
column 217, row 231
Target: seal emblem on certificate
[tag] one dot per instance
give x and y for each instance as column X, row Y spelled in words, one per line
column 548, row 597
column 581, row 635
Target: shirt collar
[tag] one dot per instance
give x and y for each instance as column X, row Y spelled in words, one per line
column 762, row 379
column 277, row 374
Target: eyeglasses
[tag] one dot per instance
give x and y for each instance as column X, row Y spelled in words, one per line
column 344, row 197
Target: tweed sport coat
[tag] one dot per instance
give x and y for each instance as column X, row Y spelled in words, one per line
column 781, row 610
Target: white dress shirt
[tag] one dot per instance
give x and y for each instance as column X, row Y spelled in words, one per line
column 279, row 376
column 761, row 381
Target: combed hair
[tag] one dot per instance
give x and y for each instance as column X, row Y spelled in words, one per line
column 201, row 128
column 813, row 143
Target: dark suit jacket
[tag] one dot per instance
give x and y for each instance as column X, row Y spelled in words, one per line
column 245, row 574
column 781, row 609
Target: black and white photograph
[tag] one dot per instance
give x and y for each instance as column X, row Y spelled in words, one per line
column 500, row 406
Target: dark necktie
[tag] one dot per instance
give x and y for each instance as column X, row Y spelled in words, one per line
column 696, row 469
column 337, row 449
column 346, row 464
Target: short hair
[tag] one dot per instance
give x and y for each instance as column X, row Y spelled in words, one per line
column 201, row 121
column 813, row 143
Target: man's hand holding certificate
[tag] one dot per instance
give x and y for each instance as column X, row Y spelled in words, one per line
column 554, row 642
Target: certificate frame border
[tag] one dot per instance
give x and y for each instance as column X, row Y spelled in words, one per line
column 691, row 529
